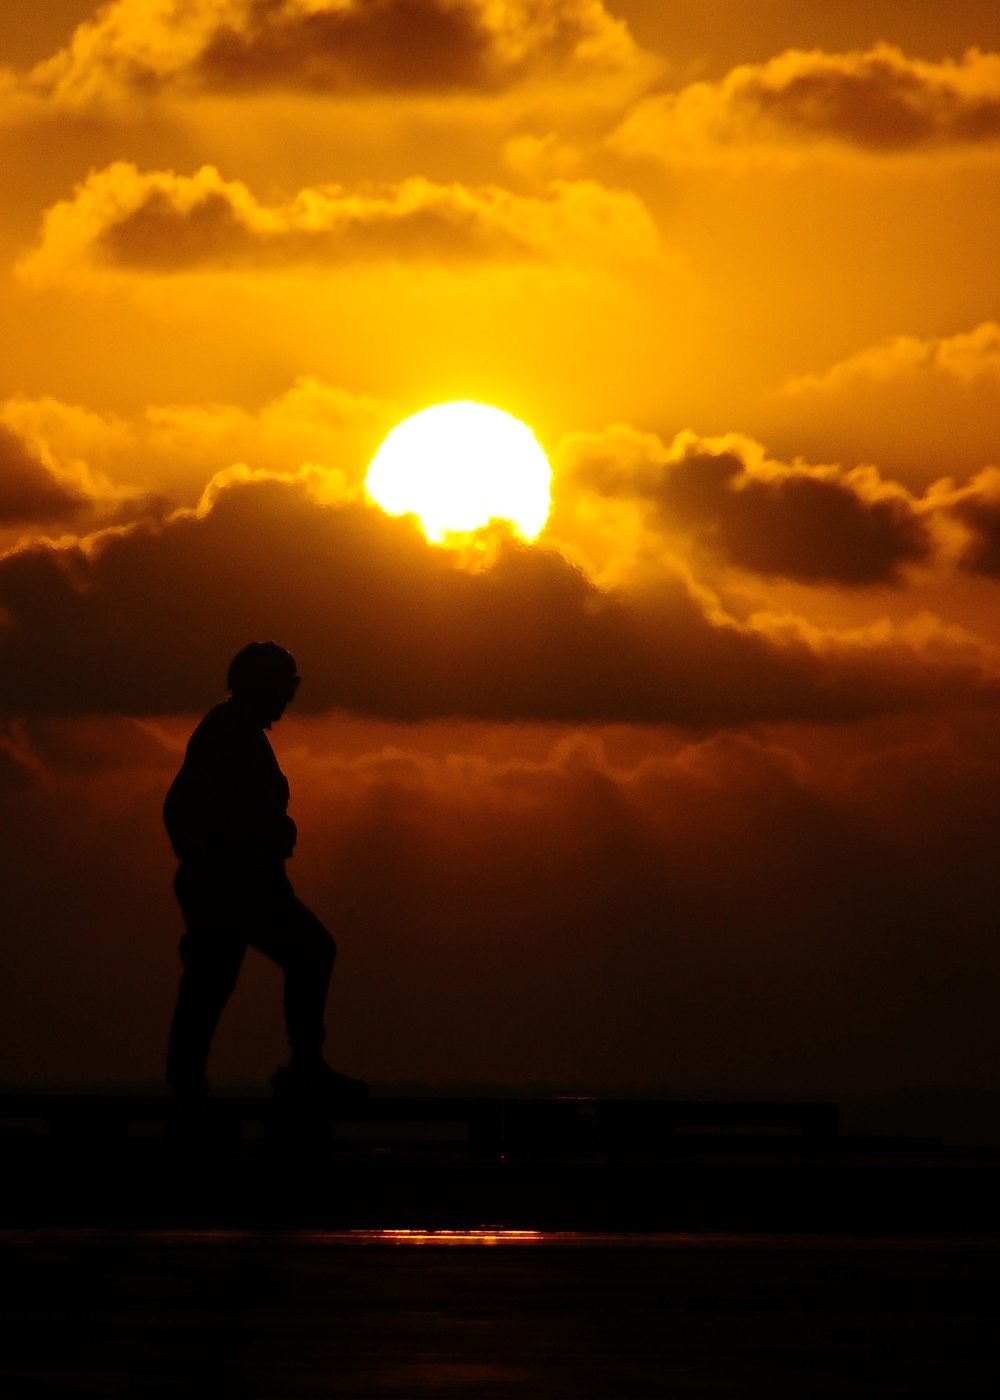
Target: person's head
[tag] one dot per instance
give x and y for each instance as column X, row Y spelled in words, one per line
column 262, row 678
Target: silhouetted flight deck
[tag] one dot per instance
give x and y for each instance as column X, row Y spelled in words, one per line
column 432, row 1163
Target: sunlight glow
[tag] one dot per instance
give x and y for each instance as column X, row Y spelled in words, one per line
column 457, row 466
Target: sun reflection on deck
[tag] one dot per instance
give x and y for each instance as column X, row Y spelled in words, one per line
column 448, row 1237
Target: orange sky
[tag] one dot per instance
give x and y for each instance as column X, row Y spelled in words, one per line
column 700, row 789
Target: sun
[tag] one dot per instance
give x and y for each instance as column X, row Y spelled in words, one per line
column 457, row 466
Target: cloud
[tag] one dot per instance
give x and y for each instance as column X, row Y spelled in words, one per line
column 976, row 506
column 179, row 448
column 158, row 222
column 333, row 46
column 811, row 524
column 879, row 101
column 31, row 493
column 42, row 494
column 142, row 619
column 968, row 358
column 923, row 407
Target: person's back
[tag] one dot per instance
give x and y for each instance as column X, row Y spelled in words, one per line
column 226, row 816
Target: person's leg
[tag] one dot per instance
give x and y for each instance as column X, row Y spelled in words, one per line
column 284, row 930
column 293, row 937
column 212, row 953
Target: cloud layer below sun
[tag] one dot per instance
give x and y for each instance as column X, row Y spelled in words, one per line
column 392, row 626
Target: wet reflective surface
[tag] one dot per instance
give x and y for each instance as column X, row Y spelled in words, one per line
column 495, row 1314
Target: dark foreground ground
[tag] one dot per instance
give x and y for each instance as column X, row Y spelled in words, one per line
column 355, row 1316
column 475, row 1248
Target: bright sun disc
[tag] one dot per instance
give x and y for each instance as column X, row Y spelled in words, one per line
column 457, row 466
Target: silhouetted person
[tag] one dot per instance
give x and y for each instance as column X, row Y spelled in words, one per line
column 226, row 815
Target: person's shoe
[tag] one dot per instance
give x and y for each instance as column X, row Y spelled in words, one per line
column 316, row 1082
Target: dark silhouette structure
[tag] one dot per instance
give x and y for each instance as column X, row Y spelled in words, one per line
column 226, row 815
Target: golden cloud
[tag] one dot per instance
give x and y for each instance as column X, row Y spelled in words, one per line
column 178, row 448
column 976, row 505
column 124, row 219
column 878, row 101
column 44, row 496
column 923, row 406
column 31, row 492
column 813, row 524
column 143, row 47
column 965, row 358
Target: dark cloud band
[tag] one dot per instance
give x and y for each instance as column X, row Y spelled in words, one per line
column 146, row 619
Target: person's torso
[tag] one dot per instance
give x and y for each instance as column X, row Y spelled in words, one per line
column 230, row 795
